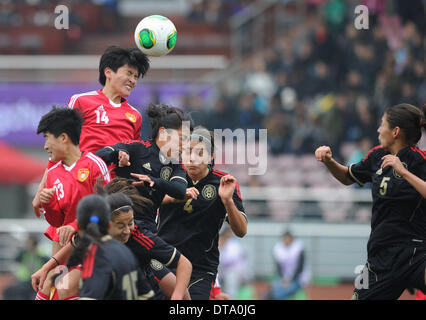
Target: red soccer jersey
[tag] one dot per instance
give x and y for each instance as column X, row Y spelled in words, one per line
column 71, row 184
column 105, row 123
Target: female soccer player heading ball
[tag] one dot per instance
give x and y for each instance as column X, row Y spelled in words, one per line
column 108, row 117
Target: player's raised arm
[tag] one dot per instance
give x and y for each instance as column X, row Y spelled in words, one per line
column 237, row 220
column 118, row 154
column 339, row 171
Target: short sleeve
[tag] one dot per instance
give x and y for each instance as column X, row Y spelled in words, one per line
column 363, row 171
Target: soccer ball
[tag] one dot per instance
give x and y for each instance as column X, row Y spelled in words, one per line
column 155, row 35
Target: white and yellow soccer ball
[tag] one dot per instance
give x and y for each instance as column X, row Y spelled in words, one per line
column 155, row 35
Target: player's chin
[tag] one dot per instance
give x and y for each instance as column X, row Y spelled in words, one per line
column 192, row 169
column 124, row 239
column 125, row 92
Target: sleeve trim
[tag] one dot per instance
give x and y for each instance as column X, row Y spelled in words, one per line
column 172, row 258
column 353, row 176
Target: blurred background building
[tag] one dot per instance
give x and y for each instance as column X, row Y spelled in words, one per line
column 299, row 69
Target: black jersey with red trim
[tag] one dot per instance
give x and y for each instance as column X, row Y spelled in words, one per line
column 109, row 272
column 146, row 246
column 193, row 226
column 399, row 210
column 146, row 158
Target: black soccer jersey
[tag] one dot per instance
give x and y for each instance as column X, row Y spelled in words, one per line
column 193, row 226
column 399, row 210
column 146, row 158
column 146, row 246
column 152, row 251
column 109, row 272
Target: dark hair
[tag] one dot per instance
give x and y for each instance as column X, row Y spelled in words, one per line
column 115, row 57
column 206, row 136
column 125, row 186
column 162, row 115
column 93, row 216
column 118, row 203
column 409, row 118
column 62, row 120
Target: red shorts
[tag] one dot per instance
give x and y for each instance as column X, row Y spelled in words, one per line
column 420, row 295
column 52, row 234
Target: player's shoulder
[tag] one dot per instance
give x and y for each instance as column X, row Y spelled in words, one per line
column 55, row 166
column 131, row 108
column 219, row 173
column 94, row 161
column 81, row 98
column 142, row 144
column 417, row 154
column 375, row 152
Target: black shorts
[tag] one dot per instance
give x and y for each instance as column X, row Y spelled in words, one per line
column 201, row 285
column 390, row 271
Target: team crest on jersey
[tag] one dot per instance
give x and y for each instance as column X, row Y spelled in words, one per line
column 131, row 116
column 209, row 192
column 156, row 265
column 165, row 173
column 82, row 174
column 396, row 175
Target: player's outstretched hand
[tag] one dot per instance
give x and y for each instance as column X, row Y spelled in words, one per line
column 142, row 179
column 123, row 159
column 191, row 193
column 65, row 234
column 46, row 194
column 227, row 186
column 323, row 154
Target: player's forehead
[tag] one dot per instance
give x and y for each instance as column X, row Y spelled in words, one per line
column 48, row 134
column 123, row 217
column 126, row 68
column 385, row 118
column 197, row 145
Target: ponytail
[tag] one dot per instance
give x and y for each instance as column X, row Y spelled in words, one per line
column 93, row 216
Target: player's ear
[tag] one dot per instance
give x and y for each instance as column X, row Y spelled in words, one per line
column 396, row 132
column 107, row 72
column 63, row 137
column 109, row 225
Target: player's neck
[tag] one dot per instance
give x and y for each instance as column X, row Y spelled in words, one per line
column 397, row 147
column 72, row 156
column 112, row 95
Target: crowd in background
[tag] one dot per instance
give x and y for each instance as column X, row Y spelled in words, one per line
column 323, row 81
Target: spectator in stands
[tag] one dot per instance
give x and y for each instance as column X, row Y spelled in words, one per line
column 361, row 150
column 30, row 259
column 194, row 104
column 222, row 116
column 290, row 258
column 196, row 13
column 248, row 116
